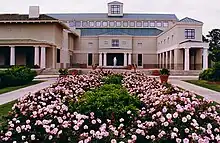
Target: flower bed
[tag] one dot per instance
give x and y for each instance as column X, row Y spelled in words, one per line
column 165, row 114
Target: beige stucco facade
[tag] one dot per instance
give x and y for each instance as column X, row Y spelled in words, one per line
column 147, row 40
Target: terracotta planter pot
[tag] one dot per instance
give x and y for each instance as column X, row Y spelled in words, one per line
column 164, row 78
column 75, row 72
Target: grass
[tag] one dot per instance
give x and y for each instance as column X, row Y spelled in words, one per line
column 206, row 84
column 4, row 109
column 9, row 89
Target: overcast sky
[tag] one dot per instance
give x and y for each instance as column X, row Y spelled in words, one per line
column 207, row 11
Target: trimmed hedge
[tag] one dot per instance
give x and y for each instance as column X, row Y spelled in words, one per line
column 110, row 101
column 16, row 75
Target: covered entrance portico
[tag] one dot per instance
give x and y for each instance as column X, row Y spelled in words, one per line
column 189, row 55
column 27, row 52
column 106, row 58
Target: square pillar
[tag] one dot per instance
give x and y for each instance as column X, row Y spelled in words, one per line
column 12, row 55
column 162, row 60
column 105, row 59
column 158, row 60
column 171, row 58
column 100, row 59
column 205, row 58
column 167, row 59
column 129, row 58
column 186, row 66
column 125, row 59
column 36, row 56
column 54, row 57
column 43, row 57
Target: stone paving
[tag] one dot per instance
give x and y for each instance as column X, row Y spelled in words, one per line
column 207, row 93
column 10, row 96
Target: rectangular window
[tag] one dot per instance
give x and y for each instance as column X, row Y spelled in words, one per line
column 118, row 23
column 159, row 24
column 139, row 24
column 90, row 44
column 165, row 24
column 139, row 59
column 190, row 33
column 91, row 24
column 112, row 23
column 145, row 24
column 98, row 24
column 85, row 24
column 104, row 23
column 115, row 43
column 72, row 24
column 125, row 24
column 106, row 42
column 132, row 23
column 89, row 59
column 123, row 42
column 152, row 24
column 115, row 9
column 58, row 55
column 78, row 23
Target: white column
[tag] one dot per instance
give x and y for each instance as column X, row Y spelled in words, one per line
column 167, row 59
column 171, row 58
column 158, row 60
column 205, row 58
column 12, row 55
column 105, row 59
column 186, row 67
column 54, row 57
column 100, row 59
column 129, row 58
column 125, row 59
column 162, row 60
column 43, row 57
column 36, row 55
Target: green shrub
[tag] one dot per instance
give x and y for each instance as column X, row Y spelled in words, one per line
column 63, row 71
column 164, row 71
column 108, row 102
column 17, row 75
column 211, row 74
column 113, row 79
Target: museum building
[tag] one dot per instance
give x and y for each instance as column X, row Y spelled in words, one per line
column 65, row 40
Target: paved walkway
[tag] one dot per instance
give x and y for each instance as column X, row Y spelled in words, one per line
column 10, row 96
column 207, row 93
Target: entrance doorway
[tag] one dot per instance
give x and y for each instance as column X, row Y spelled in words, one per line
column 119, row 56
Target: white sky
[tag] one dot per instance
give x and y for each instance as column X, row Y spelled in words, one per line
column 207, row 11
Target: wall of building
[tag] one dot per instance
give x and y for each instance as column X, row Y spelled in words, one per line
column 42, row 32
column 172, row 37
column 181, row 31
column 147, row 47
column 125, row 42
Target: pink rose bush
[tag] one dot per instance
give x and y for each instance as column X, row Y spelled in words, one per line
column 167, row 113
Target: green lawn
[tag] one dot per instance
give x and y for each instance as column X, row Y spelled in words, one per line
column 8, row 89
column 205, row 84
column 4, row 109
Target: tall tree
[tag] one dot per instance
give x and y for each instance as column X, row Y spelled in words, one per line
column 214, row 45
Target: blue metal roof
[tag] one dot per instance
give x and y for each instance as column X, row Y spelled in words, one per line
column 120, row 31
column 190, row 20
column 101, row 16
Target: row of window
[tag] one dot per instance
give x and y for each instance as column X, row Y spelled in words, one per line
column 114, row 43
column 189, row 34
column 117, row 24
